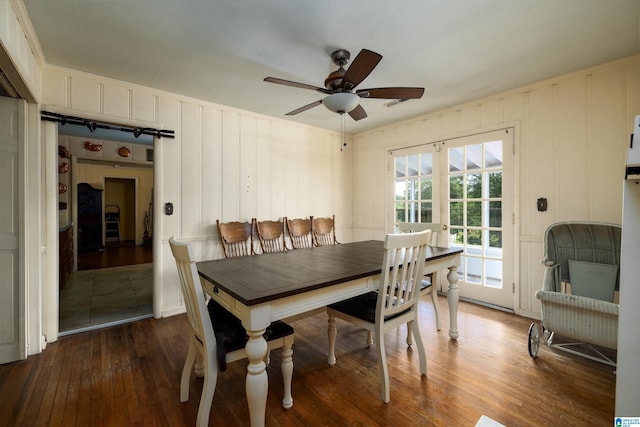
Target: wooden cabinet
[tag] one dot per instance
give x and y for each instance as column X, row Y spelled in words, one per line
column 65, row 250
column 89, row 217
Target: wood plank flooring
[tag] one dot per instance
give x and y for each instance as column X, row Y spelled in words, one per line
column 115, row 256
column 129, row 375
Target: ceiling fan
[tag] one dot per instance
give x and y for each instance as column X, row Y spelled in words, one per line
column 340, row 86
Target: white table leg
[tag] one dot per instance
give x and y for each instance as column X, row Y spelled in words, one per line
column 257, row 383
column 452, row 299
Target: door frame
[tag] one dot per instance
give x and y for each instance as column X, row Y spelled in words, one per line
column 436, row 145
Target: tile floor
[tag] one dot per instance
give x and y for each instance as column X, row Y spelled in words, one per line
column 97, row 298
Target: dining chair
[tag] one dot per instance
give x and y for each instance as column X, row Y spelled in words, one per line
column 393, row 304
column 324, row 231
column 427, row 286
column 218, row 337
column 271, row 236
column 300, row 232
column 236, row 238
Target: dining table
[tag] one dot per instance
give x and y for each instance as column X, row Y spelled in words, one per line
column 260, row 289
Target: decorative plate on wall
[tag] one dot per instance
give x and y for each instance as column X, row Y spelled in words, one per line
column 92, row 147
column 124, row 151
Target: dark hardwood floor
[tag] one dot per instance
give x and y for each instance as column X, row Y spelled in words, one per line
column 115, row 256
column 129, row 375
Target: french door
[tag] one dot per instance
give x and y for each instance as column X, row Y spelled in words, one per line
column 466, row 183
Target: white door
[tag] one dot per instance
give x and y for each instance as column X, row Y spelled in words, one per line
column 479, row 189
column 12, row 315
column 466, row 183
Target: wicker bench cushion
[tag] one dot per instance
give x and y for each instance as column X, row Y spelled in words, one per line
column 593, row 280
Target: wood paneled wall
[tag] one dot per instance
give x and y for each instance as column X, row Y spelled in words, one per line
column 571, row 135
column 223, row 164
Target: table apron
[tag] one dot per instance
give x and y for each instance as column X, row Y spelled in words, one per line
column 259, row 316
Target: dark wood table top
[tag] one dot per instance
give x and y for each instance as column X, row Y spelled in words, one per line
column 261, row 278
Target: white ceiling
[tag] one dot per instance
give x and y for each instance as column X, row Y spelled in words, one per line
column 221, row 50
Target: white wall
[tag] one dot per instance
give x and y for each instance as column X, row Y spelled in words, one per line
column 223, row 164
column 571, row 134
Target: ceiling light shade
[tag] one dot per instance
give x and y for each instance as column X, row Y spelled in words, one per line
column 341, row 102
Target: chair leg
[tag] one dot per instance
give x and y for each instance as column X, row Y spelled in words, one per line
column 287, row 374
column 199, row 364
column 208, row 389
column 436, row 305
column 384, row 369
column 332, row 332
column 369, row 338
column 186, row 370
column 409, row 335
column 421, row 352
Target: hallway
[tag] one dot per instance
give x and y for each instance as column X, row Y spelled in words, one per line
column 110, row 287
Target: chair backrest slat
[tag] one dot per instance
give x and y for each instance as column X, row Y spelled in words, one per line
column 271, row 236
column 300, row 233
column 236, row 238
column 402, row 269
column 324, row 231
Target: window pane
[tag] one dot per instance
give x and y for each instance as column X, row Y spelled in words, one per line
column 456, row 159
column 426, row 212
column 495, row 184
column 426, row 164
column 493, row 273
column 414, row 189
column 456, row 236
column 401, row 190
column 474, row 214
column 474, row 237
column 413, row 215
column 493, row 154
column 400, row 167
column 474, row 186
column 456, row 213
column 426, row 189
column 400, row 212
column 412, row 165
column 474, row 270
column 495, row 214
column 495, row 241
column 474, row 157
column 455, row 187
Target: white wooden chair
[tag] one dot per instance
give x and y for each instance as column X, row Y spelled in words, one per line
column 427, row 286
column 393, row 304
column 218, row 338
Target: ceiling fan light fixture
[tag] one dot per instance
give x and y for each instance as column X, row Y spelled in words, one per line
column 341, row 102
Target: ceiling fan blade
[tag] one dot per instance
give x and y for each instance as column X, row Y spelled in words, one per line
column 305, row 108
column 295, row 84
column 392, row 92
column 360, row 68
column 358, row 113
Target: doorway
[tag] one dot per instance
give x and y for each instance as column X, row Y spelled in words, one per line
column 466, row 183
column 112, row 283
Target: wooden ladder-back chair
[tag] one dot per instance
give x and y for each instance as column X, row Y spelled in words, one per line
column 393, row 304
column 300, row 232
column 218, row 337
column 271, row 236
column 236, row 238
column 324, row 231
column 427, row 286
